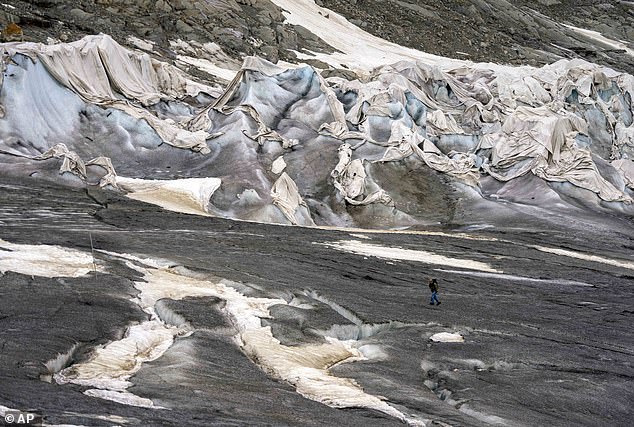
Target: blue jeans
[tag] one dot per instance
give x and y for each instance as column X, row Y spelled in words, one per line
column 434, row 297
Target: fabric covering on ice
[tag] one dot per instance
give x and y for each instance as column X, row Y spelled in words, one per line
column 290, row 146
column 98, row 69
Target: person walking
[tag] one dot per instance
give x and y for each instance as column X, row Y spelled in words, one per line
column 433, row 286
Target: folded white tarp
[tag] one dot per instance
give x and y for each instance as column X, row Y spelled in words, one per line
column 189, row 195
column 110, row 178
column 349, row 178
column 542, row 141
column 286, row 197
column 407, row 143
column 625, row 167
column 264, row 132
column 104, row 73
column 553, row 122
column 71, row 162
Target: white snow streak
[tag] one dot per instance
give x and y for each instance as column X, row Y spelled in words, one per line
column 446, row 337
column 596, row 36
column 395, row 253
column 45, row 260
column 512, row 277
column 580, row 255
column 358, row 49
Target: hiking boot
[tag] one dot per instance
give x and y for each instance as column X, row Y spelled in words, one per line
column 438, row 303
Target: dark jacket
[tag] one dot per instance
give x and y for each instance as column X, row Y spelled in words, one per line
column 433, row 285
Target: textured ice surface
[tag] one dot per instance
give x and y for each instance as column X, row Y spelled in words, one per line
column 305, row 367
column 33, row 120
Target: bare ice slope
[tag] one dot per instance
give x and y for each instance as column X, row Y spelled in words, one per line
column 250, row 319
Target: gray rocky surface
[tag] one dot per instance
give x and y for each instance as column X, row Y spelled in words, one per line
column 514, row 32
column 546, row 352
column 239, row 27
column 520, row 32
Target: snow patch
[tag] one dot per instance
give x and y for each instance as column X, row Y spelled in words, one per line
column 169, row 316
column 373, row 352
column 45, row 260
column 360, row 236
column 358, row 50
column 488, row 419
column 516, row 278
column 208, row 67
column 122, row 397
column 111, row 366
column 61, row 360
column 395, row 253
column 344, row 312
column 596, row 36
column 447, row 337
column 580, row 255
column 4, row 410
column 207, row 57
column 364, row 231
column 362, row 331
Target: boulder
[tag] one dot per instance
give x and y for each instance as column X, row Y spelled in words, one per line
column 12, row 32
